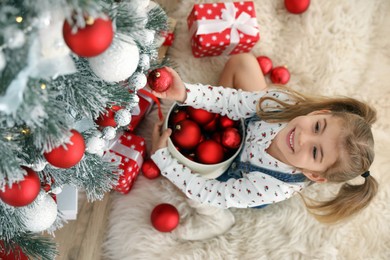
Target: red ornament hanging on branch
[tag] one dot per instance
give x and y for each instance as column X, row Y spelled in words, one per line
column 68, row 155
column 108, row 118
column 296, row 6
column 160, row 79
column 91, row 40
column 24, row 192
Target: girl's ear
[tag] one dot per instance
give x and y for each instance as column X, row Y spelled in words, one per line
column 315, row 177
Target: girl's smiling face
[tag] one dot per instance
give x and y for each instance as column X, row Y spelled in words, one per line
column 310, row 143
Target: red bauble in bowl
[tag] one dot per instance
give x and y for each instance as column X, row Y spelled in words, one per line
column 91, row 40
column 186, row 134
column 231, row 138
column 209, row 152
column 165, row 217
column 24, row 192
column 177, row 116
column 225, row 122
column 280, row 75
column 68, row 155
column 160, row 79
column 265, row 64
column 200, row 116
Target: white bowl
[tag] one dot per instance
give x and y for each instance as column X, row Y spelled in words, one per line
column 209, row 171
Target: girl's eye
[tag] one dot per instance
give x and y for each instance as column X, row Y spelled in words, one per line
column 317, row 127
column 315, row 153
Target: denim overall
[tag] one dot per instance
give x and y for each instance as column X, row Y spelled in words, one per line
column 237, row 168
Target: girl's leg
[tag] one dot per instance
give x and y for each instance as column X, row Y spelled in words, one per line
column 242, row 71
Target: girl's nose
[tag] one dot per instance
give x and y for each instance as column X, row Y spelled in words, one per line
column 305, row 138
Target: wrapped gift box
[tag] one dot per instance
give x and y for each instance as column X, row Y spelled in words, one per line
column 222, row 28
column 146, row 101
column 130, row 150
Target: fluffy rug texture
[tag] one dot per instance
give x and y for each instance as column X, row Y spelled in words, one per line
column 334, row 48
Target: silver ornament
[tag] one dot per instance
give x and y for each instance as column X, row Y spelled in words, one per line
column 40, row 214
column 138, row 81
column 122, row 117
column 144, row 62
column 95, row 145
column 109, row 133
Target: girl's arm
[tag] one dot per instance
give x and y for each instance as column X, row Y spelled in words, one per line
column 254, row 189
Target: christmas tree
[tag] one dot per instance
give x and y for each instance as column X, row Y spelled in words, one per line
column 63, row 63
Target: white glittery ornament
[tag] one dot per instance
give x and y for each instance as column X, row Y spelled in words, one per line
column 138, row 80
column 39, row 165
column 144, row 62
column 40, row 214
column 109, row 133
column 95, row 145
column 122, row 117
column 2, row 61
column 148, row 36
column 118, row 62
column 14, row 37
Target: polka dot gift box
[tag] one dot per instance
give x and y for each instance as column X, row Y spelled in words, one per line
column 130, row 150
column 222, row 28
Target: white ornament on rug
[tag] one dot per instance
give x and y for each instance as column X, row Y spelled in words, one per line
column 137, row 81
column 118, row 62
column 41, row 214
column 122, row 117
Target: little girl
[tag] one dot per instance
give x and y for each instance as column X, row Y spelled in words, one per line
column 291, row 140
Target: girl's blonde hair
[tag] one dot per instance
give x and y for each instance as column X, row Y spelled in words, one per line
column 358, row 142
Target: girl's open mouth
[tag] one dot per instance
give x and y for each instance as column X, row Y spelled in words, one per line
column 290, row 139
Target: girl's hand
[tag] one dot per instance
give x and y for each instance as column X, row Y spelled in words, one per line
column 159, row 141
column 176, row 91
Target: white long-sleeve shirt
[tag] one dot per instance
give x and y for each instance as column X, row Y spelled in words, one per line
column 254, row 188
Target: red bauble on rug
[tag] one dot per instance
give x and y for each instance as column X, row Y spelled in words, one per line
column 186, row 134
column 165, row 217
column 24, row 192
column 280, row 75
column 200, row 116
column 265, row 64
column 160, row 79
column 150, row 170
column 231, row 138
column 91, row 40
column 296, row 6
column 209, row 152
column 68, row 155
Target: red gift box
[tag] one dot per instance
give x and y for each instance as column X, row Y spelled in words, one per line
column 222, row 28
column 130, row 150
column 145, row 104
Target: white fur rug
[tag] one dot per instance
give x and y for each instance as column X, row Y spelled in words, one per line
column 336, row 47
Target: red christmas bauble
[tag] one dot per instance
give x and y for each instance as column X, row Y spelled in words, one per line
column 296, row 6
column 209, row 152
column 165, row 217
column 107, row 119
column 217, row 137
column 265, row 64
column 23, row 192
column 186, row 134
column 280, row 75
column 16, row 254
column 210, row 126
column 91, row 40
column 225, row 122
column 200, row 116
column 177, row 116
column 160, row 79
column 231, row 138
column 68, row 156
column 150, row 170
